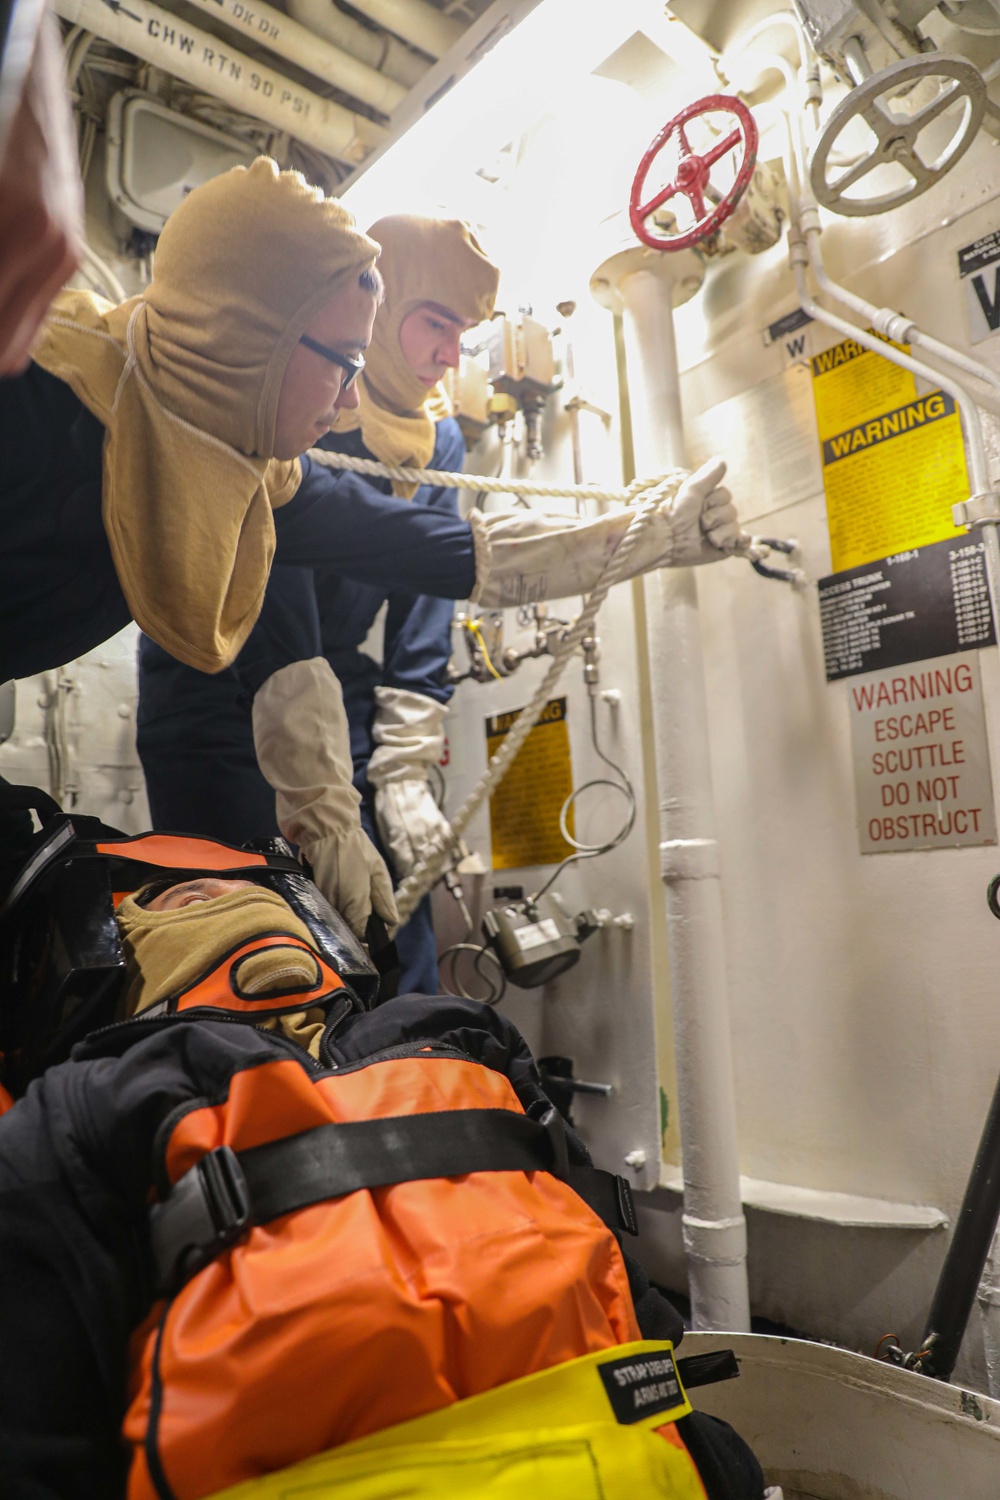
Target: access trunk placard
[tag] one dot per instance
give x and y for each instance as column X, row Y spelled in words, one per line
column 525, row 808
column 893, row 460
column 921, row 758
column 928, row 601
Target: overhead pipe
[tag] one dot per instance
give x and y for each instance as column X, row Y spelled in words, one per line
column 290, row 39
column 198, row 58
column 385, row 53
column 713, row 1224
column 418, row 23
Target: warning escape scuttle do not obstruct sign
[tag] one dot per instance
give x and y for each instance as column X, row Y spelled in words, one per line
column 921, row 758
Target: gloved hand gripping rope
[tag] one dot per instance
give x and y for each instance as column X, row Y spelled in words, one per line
column 434, row 863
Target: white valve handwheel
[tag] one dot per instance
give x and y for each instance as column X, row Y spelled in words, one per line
column 897, row 134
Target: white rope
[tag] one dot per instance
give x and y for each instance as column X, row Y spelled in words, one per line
column 433, row 864
column 428, row 871
column 491, row 483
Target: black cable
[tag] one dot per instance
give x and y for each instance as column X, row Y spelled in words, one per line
column 622, row 784
column 497, row 982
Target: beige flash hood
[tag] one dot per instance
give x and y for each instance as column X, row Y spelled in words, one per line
column 185, row 379
column 167, row 951
column 422, row 260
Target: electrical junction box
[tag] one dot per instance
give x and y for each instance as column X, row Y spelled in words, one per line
column 155, row 157
column 522, row 359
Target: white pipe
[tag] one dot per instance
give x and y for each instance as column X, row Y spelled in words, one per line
column 386, row 54
column 416, row 22
column 894, row 325
column 812, row 94
column 713, row 1224
column 279, row 33
column 198, row 58
column 978, row 467
column 738, row 73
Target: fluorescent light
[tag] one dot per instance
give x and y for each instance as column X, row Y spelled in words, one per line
column 560, row 42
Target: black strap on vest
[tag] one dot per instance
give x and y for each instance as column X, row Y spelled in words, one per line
column 215, row 1202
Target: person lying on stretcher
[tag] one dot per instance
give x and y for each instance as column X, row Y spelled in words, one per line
column 259, row 1232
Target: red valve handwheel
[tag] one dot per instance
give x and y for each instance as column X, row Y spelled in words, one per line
column 693, row 173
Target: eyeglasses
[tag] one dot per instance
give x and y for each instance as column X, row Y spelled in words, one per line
column 352, row 367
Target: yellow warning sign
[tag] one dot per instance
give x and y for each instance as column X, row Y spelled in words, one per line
column 893, row 460
column 524, row 809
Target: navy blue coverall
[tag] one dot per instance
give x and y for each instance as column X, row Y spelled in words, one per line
column 195, row 735
column 59, row 592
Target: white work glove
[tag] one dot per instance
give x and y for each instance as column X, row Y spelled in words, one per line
column 524, row 556
column 409, row 739
column 303, row 748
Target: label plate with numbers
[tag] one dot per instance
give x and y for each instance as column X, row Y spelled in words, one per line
column 925, row 602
